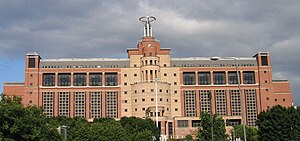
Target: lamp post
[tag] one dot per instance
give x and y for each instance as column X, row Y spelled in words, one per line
column 65, row 128
column 239, row 88
column 65, row 131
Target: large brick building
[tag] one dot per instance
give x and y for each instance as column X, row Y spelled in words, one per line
column 102, row 87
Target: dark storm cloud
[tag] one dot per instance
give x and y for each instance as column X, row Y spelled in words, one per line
column 78, row 28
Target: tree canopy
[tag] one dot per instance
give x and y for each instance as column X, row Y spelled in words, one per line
column 204, row 132
column 279, row 124
column 23, row 123
column 29, row 123
column 140, row 129
column 251, row 132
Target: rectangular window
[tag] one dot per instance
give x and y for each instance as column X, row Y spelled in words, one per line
column 219, row 78
column 189, row 78
column 196, row 123
column 264, row 60
column 64, row 104
column 79, row 103
column 251, row 107
column 204, row 78
column 220, row 101
column 31, row 63
column 190, row 103
column 232, row 78
column 235, row 102
column 64, row 79
column 233, row 122
column 170, row 128
column 111, row 79
column 48, row 79
column 249, row 77
column 95, row 79
column 79, row 79
column 48, row 103
column 205, row 100
column 95, row 104
column 182, row 123
column 112, row 104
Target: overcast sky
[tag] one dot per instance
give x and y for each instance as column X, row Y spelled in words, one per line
column 94, row 28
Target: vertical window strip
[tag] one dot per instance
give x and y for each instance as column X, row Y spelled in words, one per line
column 189, row 103
column 79, row 100
column 96, row 102
column 220, row 100
column 48, row 103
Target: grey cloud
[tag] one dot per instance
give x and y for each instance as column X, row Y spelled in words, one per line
column 78, row 28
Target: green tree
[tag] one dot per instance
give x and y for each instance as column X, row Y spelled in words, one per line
column 279, row 124
column 188, row 138
column 108, row 130
column 251, row 132
column 145, row 135
column 293, row 121
column 140, row 127
column 204, row 130
column 23, row 123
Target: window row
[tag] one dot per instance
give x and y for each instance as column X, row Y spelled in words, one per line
column 212, row 65
column 80, row 79
column 219, row 78
column 220, row 103
column 80, row 104
column 196, row 123
column 85, row 66
column 150, row 62
column 152, row 90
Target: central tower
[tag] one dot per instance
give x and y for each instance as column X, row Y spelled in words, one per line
column 151, row 63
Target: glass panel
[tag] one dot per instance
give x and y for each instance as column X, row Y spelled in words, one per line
column 170, row 128
column 182, row 123
column 31, row 63
column 64, row 79
column 249, row 77
column 111, row 79
column 48, row 79
column 95, row 79
column 232, row 78
column 79, row 80
column 196, row 123
column 204, row 78
column 189, row 78
column 264, row 60
column 219, row 78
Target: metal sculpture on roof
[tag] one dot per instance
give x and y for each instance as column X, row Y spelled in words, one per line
column 147, row 20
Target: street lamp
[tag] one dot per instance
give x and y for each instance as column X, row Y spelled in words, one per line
column 239, row 87
column 65, row 131
column 65, row 128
